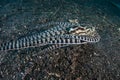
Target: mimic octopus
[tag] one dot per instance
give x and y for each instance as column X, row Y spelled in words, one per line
column 63, row 34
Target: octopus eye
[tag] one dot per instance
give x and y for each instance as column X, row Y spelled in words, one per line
column 81, row 28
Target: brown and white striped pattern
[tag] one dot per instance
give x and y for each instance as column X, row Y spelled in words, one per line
column 38, row 39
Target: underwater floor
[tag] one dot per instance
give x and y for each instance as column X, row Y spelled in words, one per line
column 99, row 61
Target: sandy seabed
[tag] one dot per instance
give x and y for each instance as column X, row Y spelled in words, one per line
column 100, row 61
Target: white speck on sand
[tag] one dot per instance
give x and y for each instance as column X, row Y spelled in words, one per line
column 119, row 29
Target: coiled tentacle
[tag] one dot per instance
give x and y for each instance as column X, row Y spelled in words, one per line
column 66, row 40
column 86, row 38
